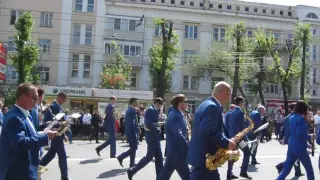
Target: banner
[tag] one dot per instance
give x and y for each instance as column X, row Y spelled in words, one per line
column 274, row 105
column 3, row 61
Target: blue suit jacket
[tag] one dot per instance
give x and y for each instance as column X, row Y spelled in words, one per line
column 109, row 120
column 176, row 136
column 237, row 123
column 207, row 133
column 1, row 117
column 318, row 137
column 35, row 117
column 298, row 128
column 19, row 147
column 170, row 109
column 131, row 126
column 227, row 123
column 151, row 118
column 286, row 128
column 256, row 118
column 55, row 109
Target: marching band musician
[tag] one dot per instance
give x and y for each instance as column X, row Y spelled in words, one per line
column 208, row 134
column 230, row 174
column 20, row 142
column 286, row 134
column 57, row 144
column 131, row 129
column 176, row 140
column 318, row 142
column 256, row 118
column 110, row 125
column 237, row 124
column 297, row 146
column 153, row 138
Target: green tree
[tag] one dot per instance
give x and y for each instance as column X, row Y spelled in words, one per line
column 27, row 54
column 284, row 74
column 302, row 36
column 161, row 58
column 116, row 71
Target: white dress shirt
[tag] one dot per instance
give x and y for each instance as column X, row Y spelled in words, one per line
column 86, row 118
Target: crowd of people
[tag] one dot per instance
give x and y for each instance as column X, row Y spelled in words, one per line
column 25, row 131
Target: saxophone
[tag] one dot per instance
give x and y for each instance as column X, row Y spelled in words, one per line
column 213, row 161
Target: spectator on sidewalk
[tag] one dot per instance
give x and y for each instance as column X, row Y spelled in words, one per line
column 86, row 123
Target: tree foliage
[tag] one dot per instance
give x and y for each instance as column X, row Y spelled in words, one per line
column 116, row 70
column 162, row 56
column 302, row 37
column 27, row 54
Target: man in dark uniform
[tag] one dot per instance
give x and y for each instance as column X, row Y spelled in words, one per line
column 110, row 125
column 230, row 174
column 95, row 124
column 57, row 144
column 131, row 129
column 153, row 139
column 176, row 140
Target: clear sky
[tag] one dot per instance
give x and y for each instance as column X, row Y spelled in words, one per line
column 289, row 2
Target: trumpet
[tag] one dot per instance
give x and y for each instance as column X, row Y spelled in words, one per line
column 213, row 161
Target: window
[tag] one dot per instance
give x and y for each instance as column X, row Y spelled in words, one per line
column 76, row 33
column 86, row 66
column 172, row 2
column 181, row 2
column 312, row 16
column 255, row 9
column 44, row 73
column 215, row 80
column 90, row 6
column 131, row 50
column 75, row 64
column 220, row 6
column 289, row 13
column 117, row 24
column 107, row 48
column 281, row 13
column 89, row 29
column 238, row 8
column 245, row 87
column 273, row 11
column 162, row 1
column 191, row 3
column 272, row 89
column 192, row 107
column 15, row 16
column 187, row 56
column 185, row 82
column 314, row 52
column 219, row 34
column 314, row 92
column 264, row 11
column 247, row 9
column 201, row 4
column 290, row 39
column 250, row 34
column 191, row 32
column 46, row 19
column 190, row 82
column 132, row 25
column 194, row 82
column 276, row 37
column 11, row 73
column 45, row 46
column 229, row 7
column 210, row 5
column 78, row 6
column 314, row 32
column 153, row 0
column 314, row 76
column 11, row 44
column 133, row 80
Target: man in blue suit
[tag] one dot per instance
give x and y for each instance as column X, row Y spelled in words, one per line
column 57, row 144
column 256, row 118
column 20, row 142
column 227, row 126
column 237, row 124
column 298, row 141
column 153, row 138
column 131, row 129
column 177, row 141
column 318, row 142
column 169, row 110
column 286, row 133
column 110, row 125
column 208, row 133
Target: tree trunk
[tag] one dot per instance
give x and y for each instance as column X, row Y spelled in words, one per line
column 303, row 69
column 285, row 98
column 236, row 69
column 160, row 91
column 261, row 78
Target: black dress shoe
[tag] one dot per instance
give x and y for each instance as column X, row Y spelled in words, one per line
column 298, row 174
column 98, row 152
column 130, row 174
column 245, row 175
column 120, row 161
column 66, row 178
column 254, row 163
column 234, row 177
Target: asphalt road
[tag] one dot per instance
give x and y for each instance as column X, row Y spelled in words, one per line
column 84, row 164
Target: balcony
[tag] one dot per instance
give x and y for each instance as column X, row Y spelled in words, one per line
column 124, row 35
column 136, row 61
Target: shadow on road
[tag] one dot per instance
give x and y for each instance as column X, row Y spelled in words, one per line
column 90, row 161
column 112, row 173
column 252, row 169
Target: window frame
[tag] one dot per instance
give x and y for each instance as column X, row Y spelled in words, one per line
column 86, row 61
column 87, row 38
column 44, row 73
column 46, row 19
column 91, row 6
column 194, row 33
column 48, row 44
column 79, row 5
column 133, row 77
column 75, row 33
column 75, row 62
column 11, row 45
column 120, row 25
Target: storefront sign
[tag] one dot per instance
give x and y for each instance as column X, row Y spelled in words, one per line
column 3, row 61
column 98, row 93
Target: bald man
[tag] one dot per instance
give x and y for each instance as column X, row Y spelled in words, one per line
column 208, row 134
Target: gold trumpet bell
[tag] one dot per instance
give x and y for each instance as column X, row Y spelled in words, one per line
column 41, row 170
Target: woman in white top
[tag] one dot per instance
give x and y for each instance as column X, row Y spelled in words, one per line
column 279, row 121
